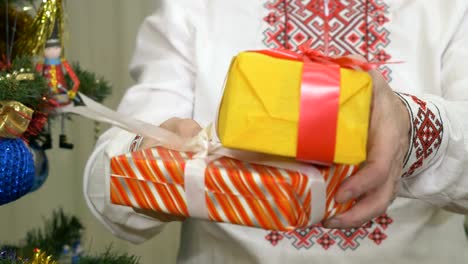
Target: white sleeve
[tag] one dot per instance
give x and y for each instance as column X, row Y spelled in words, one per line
column 162, row 66
column 437, row 166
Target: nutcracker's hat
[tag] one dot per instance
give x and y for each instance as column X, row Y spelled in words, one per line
column 54, row 39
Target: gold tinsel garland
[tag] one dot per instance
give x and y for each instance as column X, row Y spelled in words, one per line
column 18, row 22
column 41, row 257
column 33, row 40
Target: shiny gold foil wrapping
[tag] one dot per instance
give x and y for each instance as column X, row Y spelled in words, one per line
column 14, row 119
column 32, row 42
column 18, row 21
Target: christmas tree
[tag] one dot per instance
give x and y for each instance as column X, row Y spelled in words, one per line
column 36, row 80
column 58, row 242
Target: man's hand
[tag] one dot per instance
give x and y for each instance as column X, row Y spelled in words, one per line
column 184, row 128
column 375, row 185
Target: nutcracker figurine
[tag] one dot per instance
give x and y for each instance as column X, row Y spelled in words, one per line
column 53, row 68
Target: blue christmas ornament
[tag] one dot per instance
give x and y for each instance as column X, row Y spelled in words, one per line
column 16, row 169
column 41, row 163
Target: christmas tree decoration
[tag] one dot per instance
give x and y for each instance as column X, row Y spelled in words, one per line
column 16, row 170
column 22, row 84
column 93, row 86
column 32, row 94
column 14, row 119
column 54, row 67
column 41, row 257
column 14, row 23
column 33, row 39
column 22, row 91
column 8, row 256
column 19, row 83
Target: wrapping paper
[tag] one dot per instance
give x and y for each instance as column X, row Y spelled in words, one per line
column 304, row 105
column 233, row 191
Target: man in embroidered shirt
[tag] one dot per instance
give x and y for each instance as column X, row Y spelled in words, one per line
column 417, row 144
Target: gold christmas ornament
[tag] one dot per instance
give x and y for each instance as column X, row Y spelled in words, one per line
column 32, row 42
column 14, row 119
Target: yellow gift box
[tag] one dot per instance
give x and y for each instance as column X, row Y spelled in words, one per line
column 261, row 109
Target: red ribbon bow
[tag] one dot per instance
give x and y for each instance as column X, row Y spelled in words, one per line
column 310, row 55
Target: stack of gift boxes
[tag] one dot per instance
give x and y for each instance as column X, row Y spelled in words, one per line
column 300, row 109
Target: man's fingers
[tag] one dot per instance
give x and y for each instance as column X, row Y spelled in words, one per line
column 148, row 143
column 182, row 127
column 369, row 207
column 372, row 175
column 188, row 128
column 171, row 124
column 369, row 177
column 375, row 172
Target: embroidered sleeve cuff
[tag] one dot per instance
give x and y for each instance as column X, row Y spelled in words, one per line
column 427, row 132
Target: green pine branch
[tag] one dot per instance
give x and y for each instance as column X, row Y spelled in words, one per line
column 16, row 261
column 91, row 85
column 109, row 257
column 27, row 92
column 57, row 232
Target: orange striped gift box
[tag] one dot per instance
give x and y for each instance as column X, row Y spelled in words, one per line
column 235, row 192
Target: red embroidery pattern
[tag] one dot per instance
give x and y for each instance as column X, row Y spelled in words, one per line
column 349, row 238
column 326, row 241
column 384, row 221
column 274, row 237
column 427, row 136
column 303, row 238
column 345, row 239
column 377, row 236
column 352, row 26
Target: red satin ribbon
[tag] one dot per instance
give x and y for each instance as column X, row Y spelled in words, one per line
column 320, row 92
column 318, row 113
